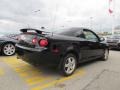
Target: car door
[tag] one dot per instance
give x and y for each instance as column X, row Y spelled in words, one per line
column 93, row 44
column 83, row 46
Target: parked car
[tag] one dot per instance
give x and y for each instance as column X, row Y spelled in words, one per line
column 114, row 41
column 7, row 44
column 64, row 49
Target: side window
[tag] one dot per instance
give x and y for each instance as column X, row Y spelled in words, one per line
column 90, row 36
column 79, row 34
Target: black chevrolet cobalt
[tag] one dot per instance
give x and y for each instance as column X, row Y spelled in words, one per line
column 64, row 49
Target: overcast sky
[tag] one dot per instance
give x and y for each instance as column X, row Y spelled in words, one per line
column 16, row 14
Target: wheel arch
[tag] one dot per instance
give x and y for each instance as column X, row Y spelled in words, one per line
column 69, row 52
column 7, row 43
column 74, row 53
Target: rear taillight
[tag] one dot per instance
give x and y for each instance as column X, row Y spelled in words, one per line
column 43, row 42
column 34, row 40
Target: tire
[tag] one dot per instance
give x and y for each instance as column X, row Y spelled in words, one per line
column 105, row 56
column 8, row 49
column 68, row 65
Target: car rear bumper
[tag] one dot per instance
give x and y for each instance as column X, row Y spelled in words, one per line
column 37, row 57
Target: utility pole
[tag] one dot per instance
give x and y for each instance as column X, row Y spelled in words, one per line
column 55, row 17
column 36, row 11
column 112, row 13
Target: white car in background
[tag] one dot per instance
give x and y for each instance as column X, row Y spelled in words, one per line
column 113, row 41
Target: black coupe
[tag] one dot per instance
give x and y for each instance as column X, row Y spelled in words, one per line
column 65, row 48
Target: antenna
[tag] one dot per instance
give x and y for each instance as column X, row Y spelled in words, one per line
column 54, row 18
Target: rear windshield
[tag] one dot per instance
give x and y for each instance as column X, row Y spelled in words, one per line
column 27, row 37
column 69, row 32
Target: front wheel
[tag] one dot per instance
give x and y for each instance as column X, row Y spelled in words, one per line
column 8, row 49
column 68, row 65
column 106, row 54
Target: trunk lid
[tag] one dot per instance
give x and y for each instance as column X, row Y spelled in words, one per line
column 31, row 38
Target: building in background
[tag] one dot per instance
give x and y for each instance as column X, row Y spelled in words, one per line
column 116, row 30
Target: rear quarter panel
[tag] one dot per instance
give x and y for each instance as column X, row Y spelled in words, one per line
column 65, row 44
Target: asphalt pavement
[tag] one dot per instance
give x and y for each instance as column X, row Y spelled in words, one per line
column 16, row 74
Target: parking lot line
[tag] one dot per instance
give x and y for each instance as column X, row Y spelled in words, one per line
column 34, row 77
column 23, row 74
column 30, row 74
column 36, row 80
column 80, row 73
column 27, row 69
column 1, row 72
column 15, row 63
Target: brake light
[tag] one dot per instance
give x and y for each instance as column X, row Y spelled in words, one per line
column 34, row 40
column 43, row 42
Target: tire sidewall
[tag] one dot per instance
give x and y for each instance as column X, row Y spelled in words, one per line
column 104, row 57
column 63, row 64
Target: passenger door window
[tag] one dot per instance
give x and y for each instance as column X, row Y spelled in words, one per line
column 90, row 36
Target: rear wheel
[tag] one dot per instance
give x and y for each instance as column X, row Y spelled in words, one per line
column 8, row 49
column 68, row 65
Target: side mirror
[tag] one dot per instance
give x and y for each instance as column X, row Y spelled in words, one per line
column 102, row 39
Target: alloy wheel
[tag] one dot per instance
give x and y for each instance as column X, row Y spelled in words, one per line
column 9, row 49
column 70, row 65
